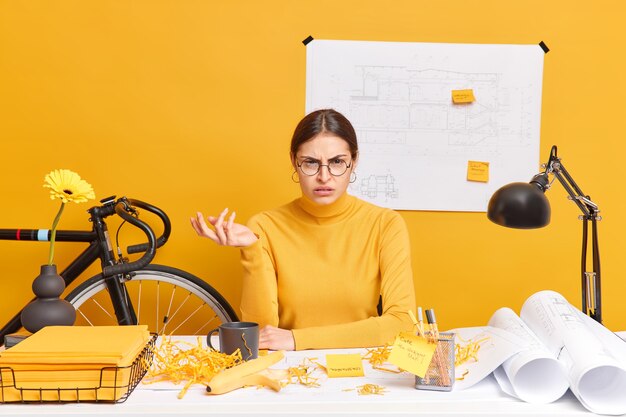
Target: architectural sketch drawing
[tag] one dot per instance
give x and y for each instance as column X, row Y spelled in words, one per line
column 375, row 186
column 399, row 98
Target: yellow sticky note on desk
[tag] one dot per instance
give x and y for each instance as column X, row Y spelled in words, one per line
column 462, row 96
column 341, row 365
column 478, row 171
column 412, row 353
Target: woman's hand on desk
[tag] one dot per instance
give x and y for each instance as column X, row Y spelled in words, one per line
column 273, row 338
column 224, row 232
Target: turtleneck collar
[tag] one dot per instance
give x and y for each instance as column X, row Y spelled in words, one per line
column 326, row 212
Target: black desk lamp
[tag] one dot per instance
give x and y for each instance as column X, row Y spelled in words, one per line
column 524, row 206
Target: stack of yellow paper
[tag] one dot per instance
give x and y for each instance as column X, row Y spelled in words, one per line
column 71, row 363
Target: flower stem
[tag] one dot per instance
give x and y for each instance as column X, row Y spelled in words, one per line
column 53, row 233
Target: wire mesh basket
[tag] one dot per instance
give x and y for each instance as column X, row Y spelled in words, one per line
column 440, row 374
column 103, row 385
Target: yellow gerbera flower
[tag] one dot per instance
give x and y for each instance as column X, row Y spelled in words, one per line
column 66, row 186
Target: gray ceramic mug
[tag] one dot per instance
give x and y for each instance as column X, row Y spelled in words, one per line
column 242, row 335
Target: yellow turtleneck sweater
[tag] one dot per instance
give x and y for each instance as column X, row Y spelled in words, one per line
column 319, row 271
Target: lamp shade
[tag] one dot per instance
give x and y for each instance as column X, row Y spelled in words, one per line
column 519, row 205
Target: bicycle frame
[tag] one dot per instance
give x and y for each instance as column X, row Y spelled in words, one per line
column 99, row 248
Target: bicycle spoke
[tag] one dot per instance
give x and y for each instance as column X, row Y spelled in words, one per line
column 166, row 319
column 102, row 308
column 179, row 307
column 156, row 316
column 188, row 317
column 204, row 326
column 84, row 316
column 139, row 302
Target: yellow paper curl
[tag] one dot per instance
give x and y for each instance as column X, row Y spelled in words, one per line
column 179, row 361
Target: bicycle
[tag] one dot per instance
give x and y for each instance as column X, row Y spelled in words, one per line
column 178, row 302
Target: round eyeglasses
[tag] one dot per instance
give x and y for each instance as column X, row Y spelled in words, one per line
column 336, row 167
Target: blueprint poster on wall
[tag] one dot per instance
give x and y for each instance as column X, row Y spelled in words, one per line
column 440, row 126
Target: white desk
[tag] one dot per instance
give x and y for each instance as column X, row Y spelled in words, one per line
column 330, row 399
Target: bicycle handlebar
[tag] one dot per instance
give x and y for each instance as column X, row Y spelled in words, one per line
column 122, row 207
column 167, row 226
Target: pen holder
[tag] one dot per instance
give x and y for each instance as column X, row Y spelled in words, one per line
column 440, row 373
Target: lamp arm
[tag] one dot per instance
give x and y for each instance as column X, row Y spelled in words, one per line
column 584, row 203
column 596, row 308
column 590, row 280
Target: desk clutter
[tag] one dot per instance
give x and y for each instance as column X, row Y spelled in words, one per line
column 76, row 364
column 549, row 349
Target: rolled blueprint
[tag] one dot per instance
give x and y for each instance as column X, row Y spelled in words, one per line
column 594, row 357
column 534, row 374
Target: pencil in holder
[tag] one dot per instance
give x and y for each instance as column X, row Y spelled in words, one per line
column 440, row 373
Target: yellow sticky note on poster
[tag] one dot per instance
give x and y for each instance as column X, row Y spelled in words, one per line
column 412, row 353
column 462, row 96
column 342, row 365
column 478, row 171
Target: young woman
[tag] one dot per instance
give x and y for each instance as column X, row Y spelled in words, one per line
column 315, row 268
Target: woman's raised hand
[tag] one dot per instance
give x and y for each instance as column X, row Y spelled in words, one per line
column 225, row 233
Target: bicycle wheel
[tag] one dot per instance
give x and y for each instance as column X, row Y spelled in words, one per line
column 168, row 300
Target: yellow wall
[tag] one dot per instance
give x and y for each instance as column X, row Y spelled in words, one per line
column 191, row 104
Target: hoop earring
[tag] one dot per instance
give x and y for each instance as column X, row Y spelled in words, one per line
column 352, row 177
column 294, row 179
